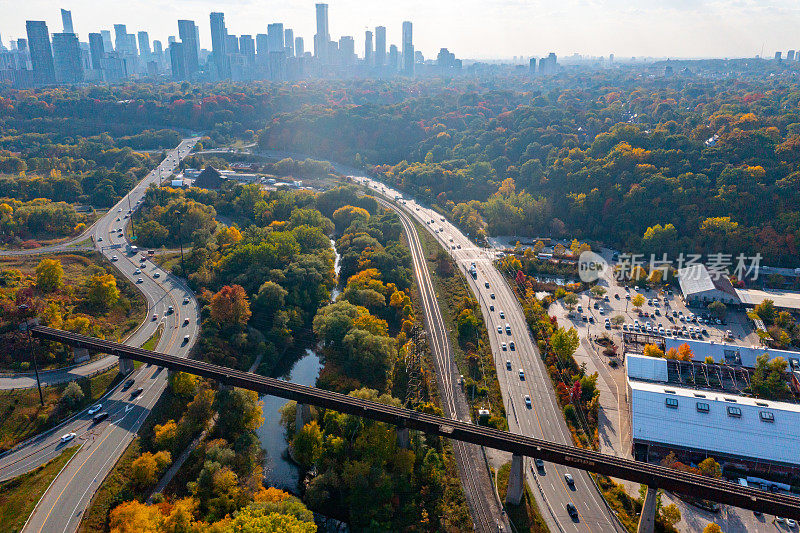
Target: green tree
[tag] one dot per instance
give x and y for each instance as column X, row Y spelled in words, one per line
column 570, row 300
column 73, row 396
column 768, row 380
column 49, row 275
column 307, row 444
column 710, row 468
column 564, row 343
column 718, row 308
column 598, row 291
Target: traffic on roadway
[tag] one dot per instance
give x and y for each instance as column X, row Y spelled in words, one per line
column 568, row 498
column 173, row 309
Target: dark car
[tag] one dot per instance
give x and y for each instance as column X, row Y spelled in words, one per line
column 573, row 511
column 137, row 392
column 99, row 417
column 128, row 384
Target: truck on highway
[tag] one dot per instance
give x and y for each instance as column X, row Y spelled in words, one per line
column 133, row 249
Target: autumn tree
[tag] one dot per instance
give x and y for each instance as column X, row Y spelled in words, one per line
column 49, row 275
column 712, row 527
column 710, row 468
column 344, row 216
column 135, row 517
column 598, row 291
column 570, row 300
column 638, row 301
column 685, row 352
column 307, row 444
column 230, row 306
column 164, row 435
column 651, row 350
column 102, row 291
column 146, row 467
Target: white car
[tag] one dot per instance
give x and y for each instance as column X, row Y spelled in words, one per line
column 114, row 258
column 99, row 239
column 96, row 408
column 521, row 374
column 67, row 437
column 137, row 271
column 156, row 275
column 185, row 299
column 140, row 280
column 504, row 346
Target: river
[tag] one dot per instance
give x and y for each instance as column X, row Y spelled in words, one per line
column 279, row 471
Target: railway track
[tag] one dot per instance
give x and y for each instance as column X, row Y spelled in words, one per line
column 485, row 512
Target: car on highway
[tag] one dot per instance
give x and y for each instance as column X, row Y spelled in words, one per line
column 186, row 321
column 96, row 408
column 503, row 346
column 539, row 464
column 572, row 511
column 156, row 275
column 119, row 210
column 99, row 417
column 155, row 317
column 137, row 392
column 67, row 437
column 500, row 329
column 528, row 402
column 570, row 480
column 140, row 280
column 491, row 308
column 511, row 346
column 99, row 239
column 491, row 296
column 502, row 315
column 137, row 271
column 128, row 384
column 114, row 258
column 521, row 375
column 508, row 329
column 170, row 310
column 486, row 284
column 508, row 364
column 185, row 300
column 186, row 338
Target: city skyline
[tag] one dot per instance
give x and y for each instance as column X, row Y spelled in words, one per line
column 676, row 29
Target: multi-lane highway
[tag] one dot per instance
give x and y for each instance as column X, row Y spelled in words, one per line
column 521, row 373
column 484, row 508
column 171, row 307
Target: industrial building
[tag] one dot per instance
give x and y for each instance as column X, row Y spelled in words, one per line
column 732, row 354
column 700, row 287
column 741, row 433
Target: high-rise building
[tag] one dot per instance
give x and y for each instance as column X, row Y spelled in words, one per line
column 778, row 56
column 177, row 58
column 380, row 46
column 289, row 42
column 275, row 37
column 187, row 31
column 66, row 21
column 347, row 50
column 247, row 47
column 790, row 55
column 218, row 42
column 299, row 47
column 408, row 49
column 158, row 53
column 67, row 58
column 368, row 60
column 108, row 45
column 144, row 45
column 532, row 66
column 394, row 58
column 262, row 47
column 231, row 45
column 322, row 37
column 41, row 53
column 121, row 39
column 96, row 50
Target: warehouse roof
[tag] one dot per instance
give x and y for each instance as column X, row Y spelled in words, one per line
column 696, row 279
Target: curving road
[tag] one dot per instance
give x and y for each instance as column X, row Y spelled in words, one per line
column 544, row 418
column 486, row 513
column 62, row 506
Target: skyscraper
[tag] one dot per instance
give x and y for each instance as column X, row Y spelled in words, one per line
column 368, row 48
column 187, row 31
column 66, row 21
column 41, row 53
column 121, row 39
column 289, row 42
column 177, row 58
column 275, row 37
column 96, row 50
column 322, row 37
column 262, row 47
column 380, row 46
column 108, row 46
column 299, row 47
column 144, row 45
column 67, row 58
column 218, row 49
column 408, row 49
column 247, row 47
column 393, row 58
column 347, row 50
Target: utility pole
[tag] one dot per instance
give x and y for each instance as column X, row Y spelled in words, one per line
column 24, row 310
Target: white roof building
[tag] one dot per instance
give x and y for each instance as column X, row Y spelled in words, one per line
column 728, row 427
column 732, row 354
column 699, row 286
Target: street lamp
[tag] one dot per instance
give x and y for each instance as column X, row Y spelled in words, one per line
column 23, row 309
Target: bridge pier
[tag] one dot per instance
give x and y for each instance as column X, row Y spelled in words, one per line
column 403, row 438
column 647, row 520
column 516, row 480
column 125, row 366
column 302, row 414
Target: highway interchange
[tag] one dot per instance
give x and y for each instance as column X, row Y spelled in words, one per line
column 101, row 445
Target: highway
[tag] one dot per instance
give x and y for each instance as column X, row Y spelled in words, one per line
column 486, row 512
column 543, row 419
column 101, row 445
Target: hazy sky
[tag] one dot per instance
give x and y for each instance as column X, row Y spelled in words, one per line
column 469, row 28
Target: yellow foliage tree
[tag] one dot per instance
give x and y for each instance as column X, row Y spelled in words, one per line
column 135, row 517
